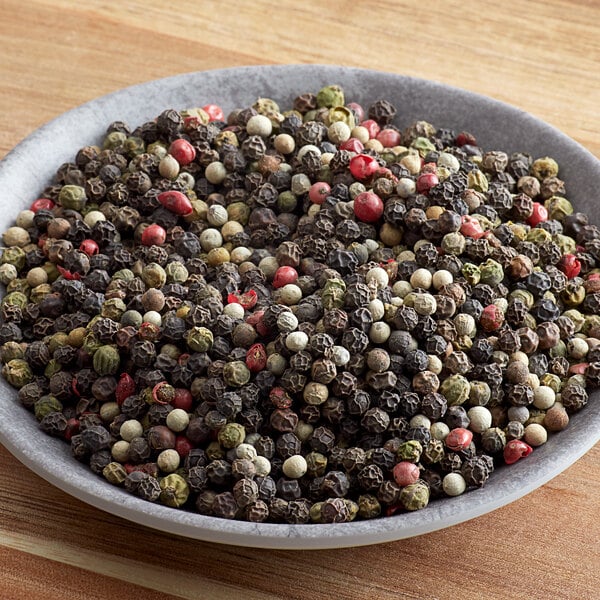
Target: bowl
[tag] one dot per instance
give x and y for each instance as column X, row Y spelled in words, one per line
column 496, row 125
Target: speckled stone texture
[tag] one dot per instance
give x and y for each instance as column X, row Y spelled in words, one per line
column 497, row 126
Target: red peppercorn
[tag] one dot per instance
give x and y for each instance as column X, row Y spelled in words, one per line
column 176, row 202
column 71, row 429
column 464, row 138
column 42, row 242
column 154, row 235
column 42, row 204
column 539, row 214
column 256, row 358
column 125, row 388
column 491, row 318
column 363, row 166
column 247, row 300
column 190, row 123
column 182, row 151
column 368, row 207
column 405, row 473
column 459, row 439
column 426, row 181
column 90, row 247
column 429, row 167
column 570, row 265
column 471, row 227
column 284, row 275
column 388, row 138
column 515, row 450
column 318, row 192
column 352, row 145
column 183, row 399
column 183, row 446
column 372, row 127
column 214, row 111
column 392, row 509
column 280, row 398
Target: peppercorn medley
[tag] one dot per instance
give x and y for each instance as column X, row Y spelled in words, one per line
column 302, row 316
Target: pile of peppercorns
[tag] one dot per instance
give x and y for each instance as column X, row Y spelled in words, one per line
column 307, row 316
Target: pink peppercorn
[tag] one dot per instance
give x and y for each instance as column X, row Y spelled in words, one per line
column 357, row 109
column 42, row 204
column 154, row 235
column 214, row 111
column 318, row 192
column 368, row 207
column 426, row 181
column 459, row 439
column 176, row 202
column 471, row 227
column 247, row 300
column 256, row 358
column 125, row 388
column 372, row 127
column 570, row 265
column 515, row 450
column 280, row 398
column 388, row 138
column 182, row 151
column 72, row 429
column 539, row 214
column 363, row 166
column 90, row 247
column 405, row 473
column 352, row 145
column 491, row 318
column 284, row 275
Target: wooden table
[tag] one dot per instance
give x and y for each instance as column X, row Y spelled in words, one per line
column 542, row 56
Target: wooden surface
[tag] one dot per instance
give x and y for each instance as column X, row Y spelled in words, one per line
column 541, row 56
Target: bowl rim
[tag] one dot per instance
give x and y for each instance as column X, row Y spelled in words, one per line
column 18, row 429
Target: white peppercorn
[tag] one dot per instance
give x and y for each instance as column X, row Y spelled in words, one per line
column 439, row 430
column 287, row 321
column 379, row 332
column 130, row 429
column 215, row 172
column 421, row 278
column 454, row 484
column 296, row 341
column 262, row 466
column 245, row 450
column 377, row 309
column 480, row 417
column 120, row 451
column 259, row 125
column 377, row 276
column 295, row 466
column 168, row 460
column 441, row 278
column 178, row 420
column 535, row 434
column 543, row 397
column 289, row 294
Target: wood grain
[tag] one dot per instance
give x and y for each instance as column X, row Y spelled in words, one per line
column 541, row 56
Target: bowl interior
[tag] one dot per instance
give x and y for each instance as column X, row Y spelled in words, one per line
column 30, row 166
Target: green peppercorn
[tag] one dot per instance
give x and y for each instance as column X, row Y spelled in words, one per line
column 455, row 389
column 368, row 506
column 330, row 96
column 236, row 373
column 410, row 450
column 476, row 180
column 17, row 372
column 72, row 196
column 46, row 405
column 333, row 294
column 113, row 308
column 423, row 146
column 231, row 435
column 415, row 496
column 154, row 276
column 199, row 339
column 11, row 351
column 492, row 272
column 174, row 490
column 15, row 299
column 14, row 256
column 106, row 360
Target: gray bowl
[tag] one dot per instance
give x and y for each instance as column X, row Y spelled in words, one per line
column 27, row 169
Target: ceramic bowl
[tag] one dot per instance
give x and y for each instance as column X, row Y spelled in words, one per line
column 29, row 167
